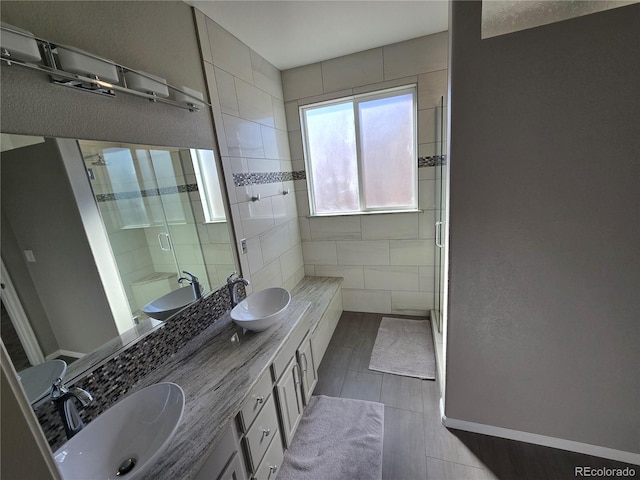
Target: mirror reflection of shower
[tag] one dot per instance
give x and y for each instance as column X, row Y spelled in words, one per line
column 152, row 201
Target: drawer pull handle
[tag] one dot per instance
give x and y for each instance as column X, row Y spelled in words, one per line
column 273, row 468
column 266, row 432
column 260, row 399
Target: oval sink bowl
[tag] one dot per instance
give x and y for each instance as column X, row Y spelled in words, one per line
column 165, row 306
column 136, row 430
column 37, row 380
column 262, row 309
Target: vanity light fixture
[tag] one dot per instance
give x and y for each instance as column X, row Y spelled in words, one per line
column 72, row 67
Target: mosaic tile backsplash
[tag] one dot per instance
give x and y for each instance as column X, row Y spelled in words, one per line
column 109, row 382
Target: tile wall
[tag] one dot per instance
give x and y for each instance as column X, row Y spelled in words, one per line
column 249, row 114
column 387, row 260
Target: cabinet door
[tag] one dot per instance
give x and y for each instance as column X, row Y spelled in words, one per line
column 308, row 369
column 290, row 400
column 234, row 470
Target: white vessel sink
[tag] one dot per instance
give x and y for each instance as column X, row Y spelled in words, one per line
column 136, row 430
column 37, row 380
column 165, row 306
column 262, row 309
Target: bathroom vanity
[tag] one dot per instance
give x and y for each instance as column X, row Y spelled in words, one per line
column 245, row 393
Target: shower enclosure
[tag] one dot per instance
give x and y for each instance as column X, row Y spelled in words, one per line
column 438, row 314
column 143, row 198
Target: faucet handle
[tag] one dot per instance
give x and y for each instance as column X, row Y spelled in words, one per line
column 57, row 389
column 230, row 277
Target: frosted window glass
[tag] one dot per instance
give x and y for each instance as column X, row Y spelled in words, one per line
column 204, row 165
column 331, row 146
column 387, row 152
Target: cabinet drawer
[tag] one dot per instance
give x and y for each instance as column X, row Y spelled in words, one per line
column 255, row 401
column 259, row 436
column 234, row 470
column 225, row 449
column 271, row 462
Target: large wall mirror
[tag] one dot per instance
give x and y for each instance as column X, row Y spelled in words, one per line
column 92, row 231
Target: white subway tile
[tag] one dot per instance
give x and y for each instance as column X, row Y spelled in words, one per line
column 392, row 278
column 427, row 173
column 293, row 115
column 295, row 145
column 244, row 138
column 427, row 279
column 294, row 231
column 256, row 217
column 203, row 35
column 274, row 243
column 309, row 270
column 411, row 303
column 305, row 229
column 353, row 276
column 229, row 53
column 335, row 228
column 291, row 261
column 428, row 224
column 419, row 55
column 431, row 87
column 371, row 252
column 218, row 232
column 352, row 70
column 217, row 253
column 374, row 87
column 227, row 92
column 254, row 254
column 302, row 81
column 279, row 116
column 269, row 276
column 412, row 252
column 390, row 226
column 373, row 301
column 302, row 201
column 266, row 76
column 216, row 109
column 254, row 104
column 427, row 194
column 427, row 130
column 320, row 253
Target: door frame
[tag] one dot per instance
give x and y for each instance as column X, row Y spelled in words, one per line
column 19, row 319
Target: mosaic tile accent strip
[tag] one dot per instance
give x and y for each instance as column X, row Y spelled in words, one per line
column 152, row 192
column 246, row 179
column 115, row 378
column 260, row 178
column 433, row 161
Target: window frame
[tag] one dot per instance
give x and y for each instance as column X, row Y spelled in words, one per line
column 355, row 100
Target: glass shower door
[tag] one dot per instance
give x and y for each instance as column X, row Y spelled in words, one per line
column 142, row 195
column 440, row 216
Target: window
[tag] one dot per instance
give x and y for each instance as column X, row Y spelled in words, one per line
column 204, row 165
column 360, row 153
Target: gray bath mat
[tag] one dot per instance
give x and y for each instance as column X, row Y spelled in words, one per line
column 404, row 347
column 337, row 439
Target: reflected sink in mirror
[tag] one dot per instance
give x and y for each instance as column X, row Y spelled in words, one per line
column 37, row 380
column 128, row 438
column 262, row 309
column 165, row 306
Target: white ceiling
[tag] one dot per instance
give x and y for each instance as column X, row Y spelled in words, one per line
column 300, row 32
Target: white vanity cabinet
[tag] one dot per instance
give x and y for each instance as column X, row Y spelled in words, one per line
column 296, row 381
column 225, row 462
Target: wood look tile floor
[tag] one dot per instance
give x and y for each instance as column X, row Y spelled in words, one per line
column 416, row 444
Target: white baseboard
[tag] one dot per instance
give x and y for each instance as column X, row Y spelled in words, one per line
column 562, row 444
column 65, row 353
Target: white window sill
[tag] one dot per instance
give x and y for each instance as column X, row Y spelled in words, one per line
column 377, row 212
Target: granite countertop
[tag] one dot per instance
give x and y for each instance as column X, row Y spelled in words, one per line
column 216, row 375
column 318, row 291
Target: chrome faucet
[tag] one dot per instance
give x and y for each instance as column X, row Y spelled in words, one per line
column 232, row 285
column 64, row 399
column 193, row 281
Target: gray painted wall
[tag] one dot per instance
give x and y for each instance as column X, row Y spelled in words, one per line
column 155, row 37
column 41, row 209
column 544, row 324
